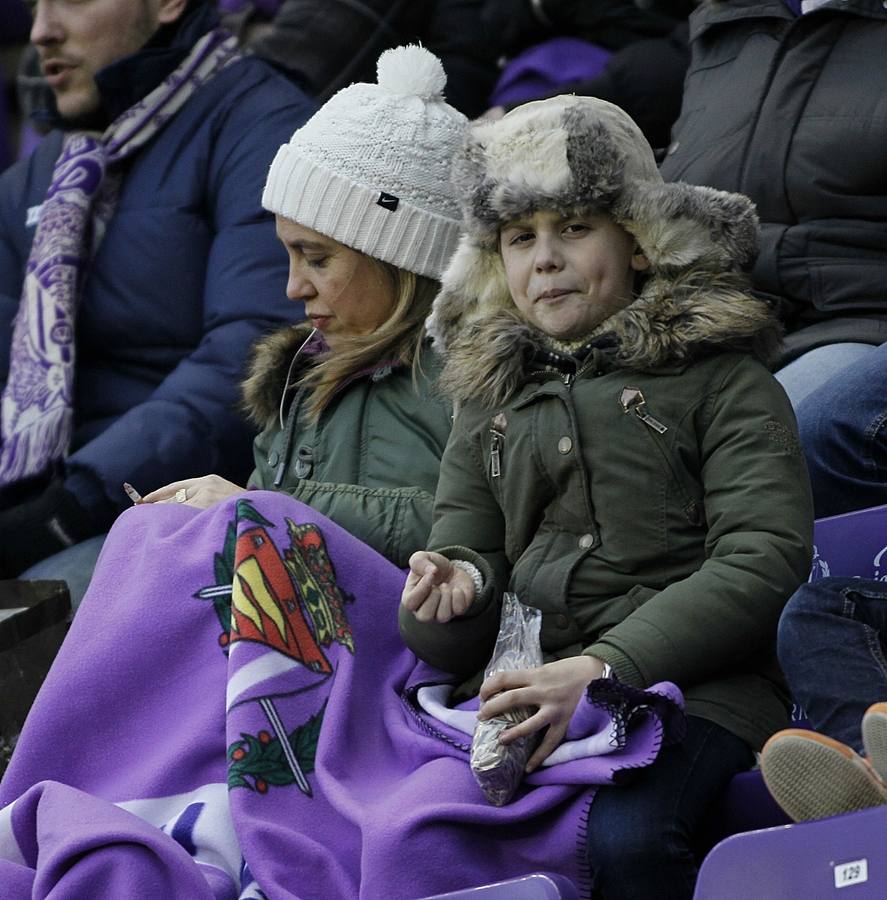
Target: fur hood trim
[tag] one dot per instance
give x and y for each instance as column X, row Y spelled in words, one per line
column 575, row 154
column 267, row 371
column 670, row 323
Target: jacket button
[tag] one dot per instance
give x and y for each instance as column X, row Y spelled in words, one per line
column 273, row 458
column 565, row 445
column 561, row 621
column 586, row 541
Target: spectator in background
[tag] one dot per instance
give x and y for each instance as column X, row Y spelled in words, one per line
column 136, row 269
column 784, row 102
column 832, row 644
column 629, row 54
column 328, row 44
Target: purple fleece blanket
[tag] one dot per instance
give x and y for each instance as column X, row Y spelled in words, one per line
column 233, row 715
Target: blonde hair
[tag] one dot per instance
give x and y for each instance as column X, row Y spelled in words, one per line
column 396, row 340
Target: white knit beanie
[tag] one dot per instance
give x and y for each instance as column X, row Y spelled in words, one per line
column 371, row 168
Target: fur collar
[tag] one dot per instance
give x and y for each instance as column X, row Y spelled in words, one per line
column 268, row 368
column 671, row 322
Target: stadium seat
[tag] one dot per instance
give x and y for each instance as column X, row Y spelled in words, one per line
column 850, row 545
column 537, row 886
column 808, row 861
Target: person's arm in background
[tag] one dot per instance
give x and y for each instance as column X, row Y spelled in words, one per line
column 327, row 45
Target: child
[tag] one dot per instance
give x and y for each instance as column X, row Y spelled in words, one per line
column 621, row 459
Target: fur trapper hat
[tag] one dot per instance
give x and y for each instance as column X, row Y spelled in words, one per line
column 575, row 154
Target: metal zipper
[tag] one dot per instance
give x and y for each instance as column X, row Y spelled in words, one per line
column 496, row 439
column 632, row 400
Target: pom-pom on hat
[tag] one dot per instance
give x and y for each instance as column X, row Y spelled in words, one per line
column 371, row 168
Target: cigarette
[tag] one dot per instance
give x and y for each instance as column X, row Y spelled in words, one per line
column 132, row 493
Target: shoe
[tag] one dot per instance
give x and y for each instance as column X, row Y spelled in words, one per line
column 812, row 776
column 874, row 737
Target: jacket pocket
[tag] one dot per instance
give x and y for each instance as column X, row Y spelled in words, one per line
column 634, row 403
column 620, row 607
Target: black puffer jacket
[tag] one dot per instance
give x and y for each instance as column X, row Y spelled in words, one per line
column 793, row 113
column 331, row 43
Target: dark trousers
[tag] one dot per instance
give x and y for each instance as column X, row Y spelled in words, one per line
column 831, row 644
column 642, row 836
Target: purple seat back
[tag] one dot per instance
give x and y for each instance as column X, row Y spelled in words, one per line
column 538, row 886
column 852, row 545
column 800, row 862
column 849, row 545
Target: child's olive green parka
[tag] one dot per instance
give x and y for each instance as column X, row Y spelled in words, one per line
column 654, row 505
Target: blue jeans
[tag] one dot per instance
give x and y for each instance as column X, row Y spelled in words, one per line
column 643, row 836
column 839, row 393
column 831, row 646
column 74, row 565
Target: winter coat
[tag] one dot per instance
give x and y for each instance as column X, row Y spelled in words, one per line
column 791, row 112
column 370, row 462
column 188, row 275
column 653, row 504
column 330, row 45
column 514, row 25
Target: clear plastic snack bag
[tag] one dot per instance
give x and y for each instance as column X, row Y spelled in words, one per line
column 499, row 768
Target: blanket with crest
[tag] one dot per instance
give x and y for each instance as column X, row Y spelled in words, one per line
column 233, row 715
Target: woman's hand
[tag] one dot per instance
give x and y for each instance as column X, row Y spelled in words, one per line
column 554, row 688
column 436, row 590
column 200, row 493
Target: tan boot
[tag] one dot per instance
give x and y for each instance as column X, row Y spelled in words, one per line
column 812, row 776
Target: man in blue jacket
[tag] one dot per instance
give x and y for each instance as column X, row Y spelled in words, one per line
column 136, row 269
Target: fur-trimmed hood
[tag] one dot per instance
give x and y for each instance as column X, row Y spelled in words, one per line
column 269, row 366
column 670, row 323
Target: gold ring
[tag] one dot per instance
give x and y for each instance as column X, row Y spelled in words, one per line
column 181, row 495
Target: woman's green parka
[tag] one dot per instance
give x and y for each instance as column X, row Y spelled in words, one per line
column 654, row 504
column 371, row 461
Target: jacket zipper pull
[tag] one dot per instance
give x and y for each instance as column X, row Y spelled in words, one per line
column 495, row 458
column 633, row 399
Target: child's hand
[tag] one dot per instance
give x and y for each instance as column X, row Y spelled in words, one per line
column 554, row 688
column 435, row 589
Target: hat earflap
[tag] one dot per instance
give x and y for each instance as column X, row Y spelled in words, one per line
column 678, row 225
column 474, row 287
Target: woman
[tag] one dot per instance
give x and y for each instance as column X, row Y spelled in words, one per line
column 352, row 423
column 621, row 460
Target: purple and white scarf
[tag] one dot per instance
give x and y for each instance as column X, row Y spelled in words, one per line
column 36, row 411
